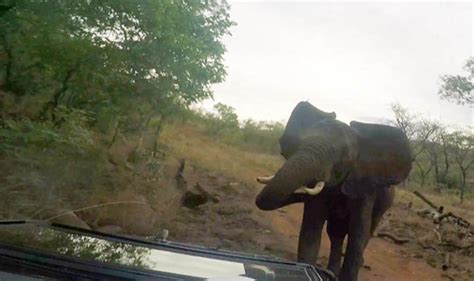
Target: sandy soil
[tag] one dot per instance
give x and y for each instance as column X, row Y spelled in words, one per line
column 384, row 260
column 234, row 223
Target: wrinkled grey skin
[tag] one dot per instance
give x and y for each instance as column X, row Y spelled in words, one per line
column 359, row 164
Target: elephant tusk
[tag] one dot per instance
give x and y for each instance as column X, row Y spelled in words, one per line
column 264, row 180
column 311, row 191
column 300, row 190
column 316, row 190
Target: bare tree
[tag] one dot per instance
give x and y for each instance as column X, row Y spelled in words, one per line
column 404, row 120
column 438, row 155
column 463, row 150
column 420, row 133
column 425, row 133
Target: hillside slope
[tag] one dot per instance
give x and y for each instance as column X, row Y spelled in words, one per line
column 235, row 223
column 145, row 200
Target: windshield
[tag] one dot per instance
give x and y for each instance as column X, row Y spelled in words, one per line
column 173, row 261
column 332, row 134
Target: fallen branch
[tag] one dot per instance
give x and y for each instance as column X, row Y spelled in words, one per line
column 439, row 216
column 447, row 261
column 190, row 198
column 438, row 234
column 397, row 240
column 465, row 247
column 204, row 192
column 427, row 247
column 180, row 181
column 422, row 197
column 458, row 220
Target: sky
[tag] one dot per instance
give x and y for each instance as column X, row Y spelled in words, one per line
column 351, row 58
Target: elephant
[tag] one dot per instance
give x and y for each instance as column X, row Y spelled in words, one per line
column 344, row 175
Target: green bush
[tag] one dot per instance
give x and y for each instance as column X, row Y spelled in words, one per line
column 47, row 165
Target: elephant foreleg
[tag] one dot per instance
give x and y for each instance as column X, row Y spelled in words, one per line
column 360, row 222
column 309, row 242
column 336, row 231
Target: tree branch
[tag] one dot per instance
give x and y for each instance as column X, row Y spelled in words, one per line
column 422, row 197
column 397, row 240
column 53, row 104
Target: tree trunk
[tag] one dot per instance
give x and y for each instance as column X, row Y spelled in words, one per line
column 54, row 102
column 436, row 170
column 423, row 173
column 8, row 83
column 446, row 161
column 8, row 70
column 116, row 131
column 463, row 184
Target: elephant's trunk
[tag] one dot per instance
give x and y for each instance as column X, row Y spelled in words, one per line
column 311, row 163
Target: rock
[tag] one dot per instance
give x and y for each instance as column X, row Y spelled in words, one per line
column 129, row 166
column 164, row 234
column 137, row 219
column 111, row 229
column 71, row 219
column 120, row 151
column 204, row 192
column 192, row 200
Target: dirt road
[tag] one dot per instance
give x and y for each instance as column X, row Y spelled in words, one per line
column 384, row 261
column 235, row 223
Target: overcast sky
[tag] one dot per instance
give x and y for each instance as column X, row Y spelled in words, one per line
column 351, row 58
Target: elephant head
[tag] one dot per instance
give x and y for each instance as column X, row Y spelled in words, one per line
column 323, row 152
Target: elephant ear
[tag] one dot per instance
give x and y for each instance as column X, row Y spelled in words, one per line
column 384, row 159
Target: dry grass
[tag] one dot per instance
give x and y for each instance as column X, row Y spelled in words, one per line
column 449, row 200
column 188, row 142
